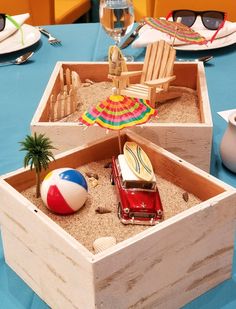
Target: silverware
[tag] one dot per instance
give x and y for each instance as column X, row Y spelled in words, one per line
column 52, row 40
column 131, row 37
column 202, row 59
column 19, row 60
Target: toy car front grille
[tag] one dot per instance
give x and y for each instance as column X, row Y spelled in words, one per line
column 141, row 215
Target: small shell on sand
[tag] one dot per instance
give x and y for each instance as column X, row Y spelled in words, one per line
column 90, row 175
column 102, row 210
column 108, row 165
column 87, row 80
column 86, row 84
column 185, row 196
column 103, row 243
column 93, row 182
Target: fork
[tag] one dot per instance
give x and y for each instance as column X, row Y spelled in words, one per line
column 51, row 39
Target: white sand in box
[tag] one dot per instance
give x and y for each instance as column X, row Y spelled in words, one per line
column 184, row 109
column 86, row 225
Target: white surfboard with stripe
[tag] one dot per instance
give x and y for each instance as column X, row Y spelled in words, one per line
column 138, row 161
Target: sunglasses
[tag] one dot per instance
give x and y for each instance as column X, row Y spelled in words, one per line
column 2, row 21
column 211, row 20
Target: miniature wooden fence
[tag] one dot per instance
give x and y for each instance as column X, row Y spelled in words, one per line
column 65, row 102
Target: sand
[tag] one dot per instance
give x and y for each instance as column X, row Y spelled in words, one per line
column 184, row 109
column 86, row 225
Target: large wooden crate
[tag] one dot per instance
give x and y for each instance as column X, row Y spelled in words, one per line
column 191, row 141
column 164, row 266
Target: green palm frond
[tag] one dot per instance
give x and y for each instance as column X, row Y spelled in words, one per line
column 38, row 154
column 38, row 151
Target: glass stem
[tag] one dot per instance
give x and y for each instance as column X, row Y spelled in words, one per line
column 117, row 39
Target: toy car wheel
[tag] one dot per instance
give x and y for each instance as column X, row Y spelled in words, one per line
column 112, row 179
column 119, row 210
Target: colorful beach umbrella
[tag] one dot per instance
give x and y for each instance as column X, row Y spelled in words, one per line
column 118, row 112
column 176, row 30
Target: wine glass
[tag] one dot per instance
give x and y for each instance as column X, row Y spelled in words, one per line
column 117, row 19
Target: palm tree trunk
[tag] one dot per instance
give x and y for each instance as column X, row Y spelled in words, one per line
column 37, row 184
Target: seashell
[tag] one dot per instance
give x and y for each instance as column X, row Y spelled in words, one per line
column 94, row 175
column 103, row 243
column 102, row 210
column 185, row 196
column 93, row 182
column 87, row 80
column 86, row 84
column 107, row 165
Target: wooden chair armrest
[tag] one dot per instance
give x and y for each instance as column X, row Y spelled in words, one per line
column 159, row 81
column 131, row 73
column 124, row 75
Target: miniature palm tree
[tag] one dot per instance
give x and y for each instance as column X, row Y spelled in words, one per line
column 38, row 155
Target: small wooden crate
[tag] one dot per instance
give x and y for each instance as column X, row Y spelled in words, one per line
column 191, row 141
column 165, row 266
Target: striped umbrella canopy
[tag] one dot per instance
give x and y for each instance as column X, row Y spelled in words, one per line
column 118, row 112
column 176, row 30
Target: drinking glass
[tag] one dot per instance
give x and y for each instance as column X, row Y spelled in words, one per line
column 117, row 19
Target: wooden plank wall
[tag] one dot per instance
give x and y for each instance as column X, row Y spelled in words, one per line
column 170, row 265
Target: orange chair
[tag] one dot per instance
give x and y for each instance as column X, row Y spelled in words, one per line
column 47, row 12
column 163, row 7
column 143, row 8
column 68, row 11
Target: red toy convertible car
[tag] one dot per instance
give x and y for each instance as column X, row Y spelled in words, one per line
column 139, row 200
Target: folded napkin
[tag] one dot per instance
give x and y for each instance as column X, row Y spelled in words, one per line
column 10, row 28
column 225, row 114
column 147, row 34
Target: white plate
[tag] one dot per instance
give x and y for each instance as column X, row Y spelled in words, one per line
column 13, row 42
column 227, row 36
column 218, row 43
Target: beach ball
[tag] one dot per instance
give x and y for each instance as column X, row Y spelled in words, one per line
column 64, row 190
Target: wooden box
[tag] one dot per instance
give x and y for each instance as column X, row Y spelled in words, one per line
column 191, row 141
column 165, row 266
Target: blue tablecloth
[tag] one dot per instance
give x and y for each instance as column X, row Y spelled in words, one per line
column 21, row 88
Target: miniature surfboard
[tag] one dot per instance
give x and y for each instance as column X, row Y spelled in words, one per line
column 138, row 161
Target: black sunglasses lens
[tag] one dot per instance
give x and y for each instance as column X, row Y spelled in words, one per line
column 212, row 20
column 2, row 22
column 187, row 17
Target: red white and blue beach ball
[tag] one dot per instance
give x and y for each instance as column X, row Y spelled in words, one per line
column 64, row 191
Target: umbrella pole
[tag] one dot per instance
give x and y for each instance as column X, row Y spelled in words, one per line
column 173, row 42
column 176, row 29
column 119, row 140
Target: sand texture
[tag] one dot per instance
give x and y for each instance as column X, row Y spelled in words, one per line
column 86, row 225
column 184, row 109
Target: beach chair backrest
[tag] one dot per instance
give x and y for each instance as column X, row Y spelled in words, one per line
column 158, row 62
